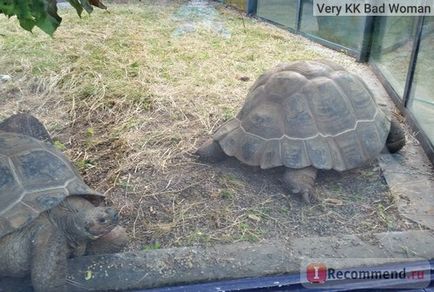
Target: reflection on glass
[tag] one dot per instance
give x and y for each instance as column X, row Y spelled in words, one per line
column 343, row 30
column 241, row 4
column 280, row 11
column 391, row 49
column 422, row 93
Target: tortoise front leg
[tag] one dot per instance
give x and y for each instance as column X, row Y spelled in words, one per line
column 48, row 260
column 112, row 242
column 302, row 181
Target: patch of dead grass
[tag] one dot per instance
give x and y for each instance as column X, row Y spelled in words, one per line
column 130, row 103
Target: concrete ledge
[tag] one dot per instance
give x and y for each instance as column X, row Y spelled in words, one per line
column 175, row 266
column 410, row 178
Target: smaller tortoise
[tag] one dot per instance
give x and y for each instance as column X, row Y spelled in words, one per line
column 45, row 214
column 305, row 116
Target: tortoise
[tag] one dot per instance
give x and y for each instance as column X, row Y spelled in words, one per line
column 306, row 116
column 46, row 210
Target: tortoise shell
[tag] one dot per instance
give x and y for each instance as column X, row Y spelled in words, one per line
column 34, row 177
column 306, row 113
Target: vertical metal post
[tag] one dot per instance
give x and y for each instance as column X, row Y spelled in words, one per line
column 368, row 33
column 413, row 60
column 298, row 15
column 252, row 7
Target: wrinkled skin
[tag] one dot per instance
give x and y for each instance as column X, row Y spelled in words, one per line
column 74, row 228
column 42, row 248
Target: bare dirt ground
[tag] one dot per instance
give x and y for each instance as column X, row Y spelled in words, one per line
column 129, row 95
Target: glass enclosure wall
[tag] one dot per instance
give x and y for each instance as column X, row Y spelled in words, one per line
column 421, row 101
column 391, row 49
column 240, row 4
column 301, row 19
column 283, row 12
column 346, row 31
column 399, row 48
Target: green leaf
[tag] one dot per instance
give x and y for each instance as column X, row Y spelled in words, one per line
column 48, row 25
column 98, row 4
column 7, row 7
column 51, row 21
column 43, row 13
column 23, row 14
column 77, row 6
column 26, row 23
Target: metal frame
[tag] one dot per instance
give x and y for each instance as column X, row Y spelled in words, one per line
column 298, row 15
column 413, row 60
column 368, row 33
column 252, row 7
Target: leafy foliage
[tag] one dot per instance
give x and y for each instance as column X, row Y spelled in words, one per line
column 43, row 13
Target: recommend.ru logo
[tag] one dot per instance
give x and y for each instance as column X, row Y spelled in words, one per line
column 316, row 273
column 365, row 272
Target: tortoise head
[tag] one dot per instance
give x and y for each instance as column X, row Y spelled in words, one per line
column 95, row 222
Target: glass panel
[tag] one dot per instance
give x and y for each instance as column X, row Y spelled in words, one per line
column 391, row 49
column 283, row 12
column 241, row 4
column 422, row 93
column 346, row 31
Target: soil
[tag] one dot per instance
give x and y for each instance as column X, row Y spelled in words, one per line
column 196, row 203
column 133, row 134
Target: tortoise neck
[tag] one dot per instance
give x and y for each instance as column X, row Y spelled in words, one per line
column 65, row 219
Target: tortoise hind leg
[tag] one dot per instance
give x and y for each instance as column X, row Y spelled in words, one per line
column 302, row 181
column 211, row 151
column 396, row 138
column 26, row 124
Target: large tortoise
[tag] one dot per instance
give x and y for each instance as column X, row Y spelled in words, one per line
column 45, row 214
column 305, row 116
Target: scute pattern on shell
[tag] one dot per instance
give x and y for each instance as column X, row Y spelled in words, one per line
column 306, row 113
column 34, row 177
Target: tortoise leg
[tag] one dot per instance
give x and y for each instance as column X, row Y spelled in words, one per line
column 211, row 151
column 112, row 242
column 302, row 181
column 48, row 260
column 396, row 138
column 26, row 124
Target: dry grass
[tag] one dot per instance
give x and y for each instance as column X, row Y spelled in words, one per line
column 129, row 102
